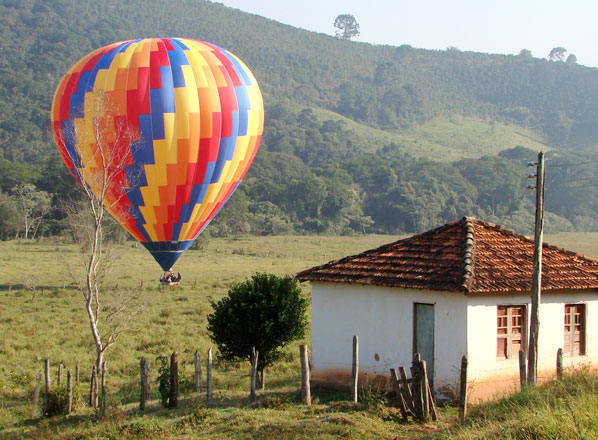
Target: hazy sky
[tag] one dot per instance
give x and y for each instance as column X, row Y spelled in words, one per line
column 491, row 26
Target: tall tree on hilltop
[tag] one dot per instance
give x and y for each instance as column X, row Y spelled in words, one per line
column 557, row 54
column 525, row 53
column 347, row 27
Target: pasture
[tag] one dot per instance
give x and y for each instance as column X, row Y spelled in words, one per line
column 42, row 316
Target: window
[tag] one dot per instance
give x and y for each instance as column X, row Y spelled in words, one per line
column 510, row 331
column 575, row 330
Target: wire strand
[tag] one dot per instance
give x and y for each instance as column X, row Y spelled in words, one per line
column 571, row 187
column 571, row 164
column 579, row 180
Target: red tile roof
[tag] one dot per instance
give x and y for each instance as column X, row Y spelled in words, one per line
column 468, row 255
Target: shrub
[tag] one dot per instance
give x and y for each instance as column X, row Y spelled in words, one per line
column 54, row 403
column 164, row 379
column 370, row 396
column 266, row 312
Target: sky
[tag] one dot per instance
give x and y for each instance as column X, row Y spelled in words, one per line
column 489, row 26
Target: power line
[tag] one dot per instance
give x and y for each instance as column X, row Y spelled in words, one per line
column 572, row 187
column 579, row 180
column 572, row 164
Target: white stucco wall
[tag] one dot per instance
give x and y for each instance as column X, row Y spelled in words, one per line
column 485, row 370
column 383, row 319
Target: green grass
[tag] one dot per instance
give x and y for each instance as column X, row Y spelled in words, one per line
column 42, row 316
column 566, row 409
column 445, row 139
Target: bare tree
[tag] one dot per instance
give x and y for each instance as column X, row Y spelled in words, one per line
column 99, row 146
column 33, row 205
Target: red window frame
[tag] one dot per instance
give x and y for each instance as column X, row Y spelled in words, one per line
column 575, row 330
column 511, row 330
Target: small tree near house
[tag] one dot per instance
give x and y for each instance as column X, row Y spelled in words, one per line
column 266, row 312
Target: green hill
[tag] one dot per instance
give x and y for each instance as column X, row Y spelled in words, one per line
column 372, row 131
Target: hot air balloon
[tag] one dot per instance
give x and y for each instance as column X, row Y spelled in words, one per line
column 162, row 131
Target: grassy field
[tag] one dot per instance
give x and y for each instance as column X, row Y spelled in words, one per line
column 42, row 316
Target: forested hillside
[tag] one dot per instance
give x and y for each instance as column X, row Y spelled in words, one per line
column 357, row 137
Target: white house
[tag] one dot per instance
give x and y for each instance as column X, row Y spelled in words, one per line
column 463, row 288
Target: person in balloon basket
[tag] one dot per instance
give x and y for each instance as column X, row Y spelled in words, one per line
column 169, row 277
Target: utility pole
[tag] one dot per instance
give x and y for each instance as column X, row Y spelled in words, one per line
column 532, row 364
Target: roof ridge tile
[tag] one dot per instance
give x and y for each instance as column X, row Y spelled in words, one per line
column 468, row 252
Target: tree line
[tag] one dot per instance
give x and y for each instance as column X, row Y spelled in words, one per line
column 386, row 191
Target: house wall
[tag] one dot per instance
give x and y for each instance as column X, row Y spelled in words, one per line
column 489, row 376
column 382, row 317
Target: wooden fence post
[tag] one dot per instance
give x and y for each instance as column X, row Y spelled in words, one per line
column 173, row 401
column 47, row 374
column 145, row 383
column 463, row 388
column 209, row 376
column 77, row 373
column 355, row 369
column 93, row 388
column 38, row 382
column 559, row 364
column 253, row 375
column 416, row 390
column 305, row 375
column 59, row 374
column 198, row 384
column 522, row 369
column 104, row 390
column 69, row 392
column 423, row 389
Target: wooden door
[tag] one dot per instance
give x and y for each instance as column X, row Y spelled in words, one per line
column 423, row 336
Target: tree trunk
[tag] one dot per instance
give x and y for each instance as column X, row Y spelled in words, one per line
column 26, row 228
column 261, row 383
column 93, row 318
column 253, row 374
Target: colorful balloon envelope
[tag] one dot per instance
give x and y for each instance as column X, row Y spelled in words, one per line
column 161, row 131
